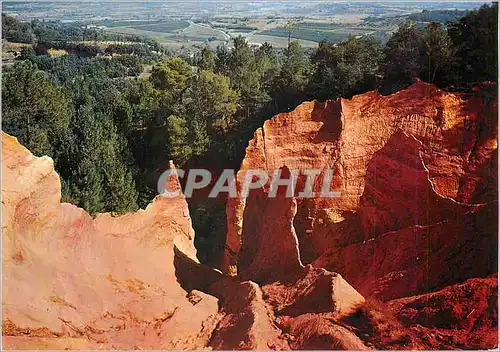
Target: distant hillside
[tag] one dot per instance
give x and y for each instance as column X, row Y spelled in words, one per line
column 437, row 15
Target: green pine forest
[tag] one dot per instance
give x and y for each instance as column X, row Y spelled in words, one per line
column 111, row 118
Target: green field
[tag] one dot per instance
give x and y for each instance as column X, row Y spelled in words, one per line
column 149, row 26
column 240, row 30
column 174, row 34
column 236, row 28
column 315, row 35
column 319, row 25
column 111, row 23
column 163, row 27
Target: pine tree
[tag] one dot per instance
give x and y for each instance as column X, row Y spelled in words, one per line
column 438, row 49
column 404, row 57
column 290, row 84
column 210, row 98
column 178, row 134
column 205, row 59
column 102, row 180
column 34, row 110
column 172, row 76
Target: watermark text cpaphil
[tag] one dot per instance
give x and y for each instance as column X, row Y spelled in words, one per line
column 302, row 183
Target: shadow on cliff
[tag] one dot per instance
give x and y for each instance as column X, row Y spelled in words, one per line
column 479, row 184
column 329, row 113
column 192, row 275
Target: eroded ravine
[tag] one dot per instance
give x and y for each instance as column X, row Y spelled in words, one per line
column 417, row 180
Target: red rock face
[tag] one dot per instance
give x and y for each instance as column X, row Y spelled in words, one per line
column 467, row 313
column 416, row 171
column 412, row 234
column 417, row 213
column 258, row 260
column 398, row 192
column 248, row 322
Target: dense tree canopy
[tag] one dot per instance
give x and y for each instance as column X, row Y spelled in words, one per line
column 475, row 38
column 16, row 31
column 403, row 57
column 438, row 49
column 34, row 109
column 345, row 69
column 205, row 59
column 171, row 76
column 289, row 85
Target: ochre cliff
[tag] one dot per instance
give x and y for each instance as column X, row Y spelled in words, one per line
column 71, row 281
column 416, row 172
